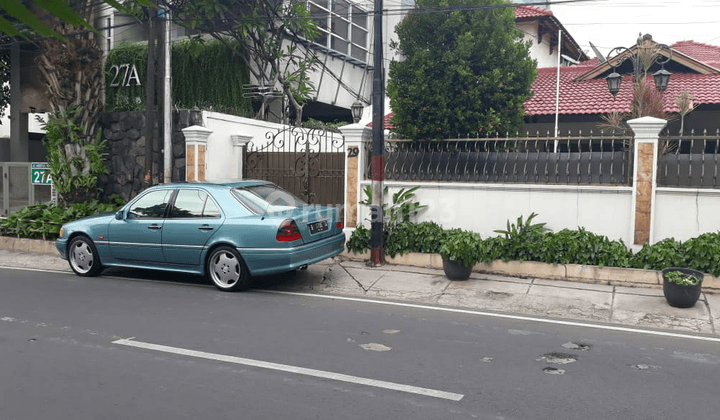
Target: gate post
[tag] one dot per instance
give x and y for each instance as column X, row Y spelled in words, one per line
column 240, row 145
column 196, row 138
column 356, row 138
column 647, row 131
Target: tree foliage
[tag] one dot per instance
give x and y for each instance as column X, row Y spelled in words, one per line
column 270, row 39
column 464, row 71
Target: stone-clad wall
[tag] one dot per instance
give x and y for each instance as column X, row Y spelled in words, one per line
column 124, row 131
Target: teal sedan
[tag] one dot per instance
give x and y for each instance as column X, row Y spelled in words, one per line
column 227, row 232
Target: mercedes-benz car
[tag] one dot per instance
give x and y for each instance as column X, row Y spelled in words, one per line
column 225, row 231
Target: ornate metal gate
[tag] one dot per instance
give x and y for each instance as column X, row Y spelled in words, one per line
column 310, row 163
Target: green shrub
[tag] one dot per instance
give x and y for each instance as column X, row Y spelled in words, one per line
column 43, row 221
column 462, row 246
column 703, row 253
column 523, row 240
column 582, row 247
column 660, row 255
column 359, row 240
column 425, row 237
column 682, row 279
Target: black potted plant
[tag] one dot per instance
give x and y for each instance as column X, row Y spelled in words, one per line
column 460, row 251
column 682, row 286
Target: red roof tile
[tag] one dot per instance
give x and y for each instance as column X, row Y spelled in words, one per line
column 708, row 54
column 386, row 122
column 530, row 12
column 593, row 97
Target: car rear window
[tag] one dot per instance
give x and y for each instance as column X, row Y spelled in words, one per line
column 267, row 198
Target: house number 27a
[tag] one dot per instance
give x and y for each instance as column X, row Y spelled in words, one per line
column 124, row 75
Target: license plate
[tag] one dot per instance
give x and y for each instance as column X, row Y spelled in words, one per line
column 318, row 227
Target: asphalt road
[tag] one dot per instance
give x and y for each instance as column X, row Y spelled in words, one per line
column 129, row 348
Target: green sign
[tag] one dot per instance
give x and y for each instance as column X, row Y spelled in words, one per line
column 38, row 175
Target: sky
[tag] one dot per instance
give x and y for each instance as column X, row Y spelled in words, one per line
column 617, row 23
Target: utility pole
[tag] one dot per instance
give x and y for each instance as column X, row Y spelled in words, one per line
column 377, row 239
column 150, row 97
column 167, row 98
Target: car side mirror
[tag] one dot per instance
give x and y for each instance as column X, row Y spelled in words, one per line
column 119, row 215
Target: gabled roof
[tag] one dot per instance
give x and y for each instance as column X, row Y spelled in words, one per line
column 582, row 95
column 549, row 24
column 673, row 54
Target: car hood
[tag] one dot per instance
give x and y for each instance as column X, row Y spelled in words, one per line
column 96, row 217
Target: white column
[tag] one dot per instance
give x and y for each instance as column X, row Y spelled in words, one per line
column 356, row 139
column 196, row 138
column 240, row 145
column 647, row 131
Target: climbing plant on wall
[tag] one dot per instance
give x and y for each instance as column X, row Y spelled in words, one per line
column 209, row 77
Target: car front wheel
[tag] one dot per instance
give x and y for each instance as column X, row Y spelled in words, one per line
column 227, row 270
column 83, row 257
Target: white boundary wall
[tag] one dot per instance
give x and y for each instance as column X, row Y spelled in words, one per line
column 685, row 213
column 484, row 208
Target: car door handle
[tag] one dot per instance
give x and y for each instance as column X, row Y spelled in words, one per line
column 206, row 227
column 155, row 227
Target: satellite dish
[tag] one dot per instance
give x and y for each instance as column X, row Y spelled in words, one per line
column 600, row 57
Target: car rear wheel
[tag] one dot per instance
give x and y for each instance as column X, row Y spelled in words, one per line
column 227, row 270
column 83, row 257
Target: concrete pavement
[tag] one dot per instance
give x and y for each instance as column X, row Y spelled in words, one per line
column 631, row 306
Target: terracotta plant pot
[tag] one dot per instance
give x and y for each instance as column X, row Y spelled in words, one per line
column 678, row 295
column 456, row 271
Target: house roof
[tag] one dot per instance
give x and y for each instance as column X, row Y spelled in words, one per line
column 522, row 12
column 580, row 94
column 708, row 54
column 549, row 25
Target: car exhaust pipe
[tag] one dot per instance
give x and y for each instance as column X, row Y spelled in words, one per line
column 302, row 267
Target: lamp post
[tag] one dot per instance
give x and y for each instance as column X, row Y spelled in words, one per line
column 357, row 110
column 642, row 58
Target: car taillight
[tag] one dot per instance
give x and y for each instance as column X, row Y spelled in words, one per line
column 288, row 231
column 338, row 225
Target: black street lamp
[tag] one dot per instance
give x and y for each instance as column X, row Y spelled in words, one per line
column 644, row 55
column 357, row 110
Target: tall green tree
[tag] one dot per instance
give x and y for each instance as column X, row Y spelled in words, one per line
column 270, row 39
column 464, row 70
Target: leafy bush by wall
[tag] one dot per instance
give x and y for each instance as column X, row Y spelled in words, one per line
column 210, row 78
column 527, row 242
column 43, row 221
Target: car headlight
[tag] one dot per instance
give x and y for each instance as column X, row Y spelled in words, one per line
column 62, row 232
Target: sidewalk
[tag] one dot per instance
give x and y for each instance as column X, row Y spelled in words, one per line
column 639, row 307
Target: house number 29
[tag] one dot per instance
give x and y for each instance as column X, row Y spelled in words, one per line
column 124, row 75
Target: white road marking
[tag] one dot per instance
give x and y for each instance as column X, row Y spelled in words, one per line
column 292, row 369
column 504, row 316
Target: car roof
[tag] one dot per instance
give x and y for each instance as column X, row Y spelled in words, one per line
column 217, row 184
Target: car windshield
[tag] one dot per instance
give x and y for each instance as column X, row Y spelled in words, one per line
column 267, row 198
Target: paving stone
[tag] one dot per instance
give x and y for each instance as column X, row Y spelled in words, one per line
column 654, row 311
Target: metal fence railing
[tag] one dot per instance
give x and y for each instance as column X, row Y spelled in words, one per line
column 535, row 160
column 689, row 161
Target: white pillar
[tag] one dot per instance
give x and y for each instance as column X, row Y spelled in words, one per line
column 357, row 138
column 240, row 146
column 647, row 131
column 196, row 138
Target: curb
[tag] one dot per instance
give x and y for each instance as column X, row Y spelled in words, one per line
column 37, row 246
column 627, row 277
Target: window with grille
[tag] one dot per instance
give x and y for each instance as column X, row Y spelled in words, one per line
column 342, row 25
